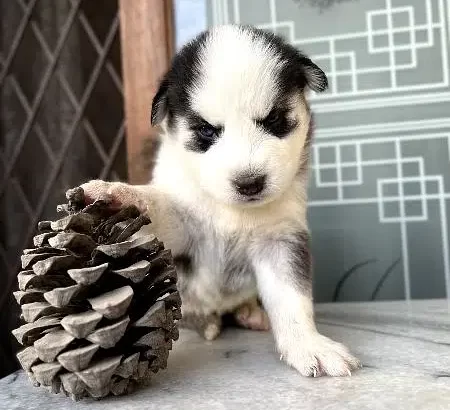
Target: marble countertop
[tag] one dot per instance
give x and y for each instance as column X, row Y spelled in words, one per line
column 405, row 349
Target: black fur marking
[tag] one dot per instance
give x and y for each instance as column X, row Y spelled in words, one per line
column 237, row 266
column 301, row 261
column 277, row 123
column 298, row 71
column 159, row 106
column 172, row 98
column 293, row 249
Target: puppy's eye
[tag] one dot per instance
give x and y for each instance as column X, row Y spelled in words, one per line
column 204, row 135
column 207, row 132
column 277, row 123
column 273, row 118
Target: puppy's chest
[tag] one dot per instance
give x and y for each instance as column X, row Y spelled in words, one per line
column 220, row 262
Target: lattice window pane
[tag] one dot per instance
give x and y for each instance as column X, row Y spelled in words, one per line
column 61, row 111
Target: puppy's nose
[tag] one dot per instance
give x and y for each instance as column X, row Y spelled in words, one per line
column 250, row 185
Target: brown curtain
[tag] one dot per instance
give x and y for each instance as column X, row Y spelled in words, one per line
column 61, row 121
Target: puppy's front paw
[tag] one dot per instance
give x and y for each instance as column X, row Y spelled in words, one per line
column 97, row 189
column 318, row 355
column 117, row 194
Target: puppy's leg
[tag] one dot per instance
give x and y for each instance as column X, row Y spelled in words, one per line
column 251, row 315
column 283, row 272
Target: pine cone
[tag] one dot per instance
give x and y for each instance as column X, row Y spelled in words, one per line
column 100, row 306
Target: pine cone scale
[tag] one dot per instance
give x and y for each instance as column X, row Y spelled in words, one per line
column 114, row 304
column 79, row 325
column 78, row 359
column 87, row 276
column 49, row 346
column 60, row 297
column 108, row 336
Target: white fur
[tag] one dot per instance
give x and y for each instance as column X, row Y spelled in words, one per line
column 292, row 318
column 236, row 86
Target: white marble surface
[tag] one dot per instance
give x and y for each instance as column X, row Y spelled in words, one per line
column 405, row 350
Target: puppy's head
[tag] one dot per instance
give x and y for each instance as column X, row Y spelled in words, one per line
column 233, row 110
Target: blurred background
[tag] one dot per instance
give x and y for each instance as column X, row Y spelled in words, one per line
column 73, row 71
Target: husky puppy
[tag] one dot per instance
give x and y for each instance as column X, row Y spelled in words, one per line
column 228, row 194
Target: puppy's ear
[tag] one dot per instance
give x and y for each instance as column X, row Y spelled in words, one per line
column 315, row 77
column 159, row 104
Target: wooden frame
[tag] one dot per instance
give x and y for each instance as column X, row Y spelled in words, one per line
column 147, row 38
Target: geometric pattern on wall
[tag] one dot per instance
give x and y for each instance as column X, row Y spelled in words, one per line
column 382, row 145
column 401, row 197
column 387, row 47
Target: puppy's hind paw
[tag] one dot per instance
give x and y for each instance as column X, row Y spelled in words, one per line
column 252, row 316
column 207, row 326
column 211, row 331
